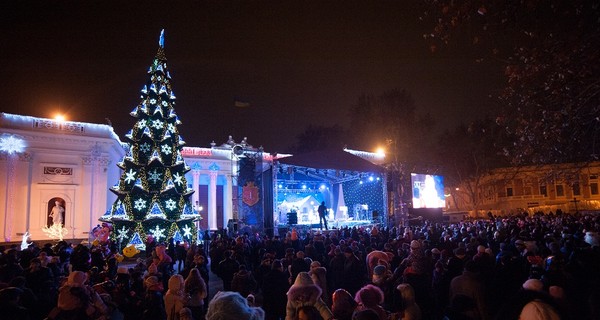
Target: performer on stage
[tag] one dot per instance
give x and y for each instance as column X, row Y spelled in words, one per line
column 322, row 214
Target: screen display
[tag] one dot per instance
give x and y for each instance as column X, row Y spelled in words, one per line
column 427, row 191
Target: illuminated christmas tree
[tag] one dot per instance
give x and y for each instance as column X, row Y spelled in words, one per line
column 153, row 197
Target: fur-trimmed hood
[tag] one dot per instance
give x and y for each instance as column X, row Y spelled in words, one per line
column 304, row 290
column 304, row 294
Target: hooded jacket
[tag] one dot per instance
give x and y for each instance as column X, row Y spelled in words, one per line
column 305, row 293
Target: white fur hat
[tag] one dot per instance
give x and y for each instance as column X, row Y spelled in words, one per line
column 228, row 305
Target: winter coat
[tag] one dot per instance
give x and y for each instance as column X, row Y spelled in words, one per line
column 274, row 289
column 303, row 293
column 244, row 283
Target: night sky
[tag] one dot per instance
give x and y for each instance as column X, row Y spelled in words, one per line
column 296, row 63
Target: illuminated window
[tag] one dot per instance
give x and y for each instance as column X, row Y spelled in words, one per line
column 509, row 192
column 576, row 189
column 543, row 191
column 594, row 188
column 560, row 190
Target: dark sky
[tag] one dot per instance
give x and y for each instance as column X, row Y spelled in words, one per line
column 296, row 62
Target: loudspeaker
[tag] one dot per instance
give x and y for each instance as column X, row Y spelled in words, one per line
column 292, row 217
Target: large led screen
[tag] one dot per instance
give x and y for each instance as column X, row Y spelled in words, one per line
column 427, row 191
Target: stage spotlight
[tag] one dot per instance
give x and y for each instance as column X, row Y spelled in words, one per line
column 303, row 187
column 322, row 187
column 280, row 186
column 371, row 178
column 361, row 182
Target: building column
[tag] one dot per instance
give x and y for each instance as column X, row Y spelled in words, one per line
column 196, row 187
column 228, row 200
column 212, row 200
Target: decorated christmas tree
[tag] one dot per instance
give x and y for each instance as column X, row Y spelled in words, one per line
column 153, row 197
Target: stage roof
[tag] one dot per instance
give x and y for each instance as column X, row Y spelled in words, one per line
column 332, row 159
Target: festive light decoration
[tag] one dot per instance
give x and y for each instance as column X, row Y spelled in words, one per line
column 187, row 231
column 177, row 237
column 24, row 243
column 12, row 144
column 122, row 234
column 55, row 231
column 158, row 233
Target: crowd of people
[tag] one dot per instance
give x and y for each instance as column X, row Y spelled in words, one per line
column 542, row 266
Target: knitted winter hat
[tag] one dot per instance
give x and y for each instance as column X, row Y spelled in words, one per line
column 76, row 278
column 379, row 270
column 153, row 269
column 415, row 244
column 303, row 279
column 151, row 281
column 227, row 305
column 369, row 295
column 534, row 285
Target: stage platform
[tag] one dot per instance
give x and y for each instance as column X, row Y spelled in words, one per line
column 332, row 225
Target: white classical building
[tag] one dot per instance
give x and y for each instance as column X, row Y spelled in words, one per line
column 43, row 161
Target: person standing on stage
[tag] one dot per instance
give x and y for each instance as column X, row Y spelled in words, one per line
column 322, row 214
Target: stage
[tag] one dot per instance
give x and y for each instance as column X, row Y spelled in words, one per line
column 331, row 224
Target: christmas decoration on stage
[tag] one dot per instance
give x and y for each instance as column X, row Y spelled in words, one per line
column 153, row 196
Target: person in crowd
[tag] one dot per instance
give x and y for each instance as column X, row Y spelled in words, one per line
column 175, row 298
column 243, row 282
column 228, row 305
column 274, row 289
column 227, row 268
column 353, row 273
column 153, row 305
column 305, row 293
column 409, row 309
column 371, row 297
column 195, row 287
column 469, row 289
column 319, row 276
column 298, row 264
column 343, row 306
column 77, row 300
column 10, row 308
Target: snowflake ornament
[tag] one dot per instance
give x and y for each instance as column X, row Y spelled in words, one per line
column 157, row 124
column 11, row 144
column 130, row 176
column 158, row 233
column 187, row 232
column 139, row 204
column 155, row 176
column 178, row 179
column 170, row 204
column 122, row 234
column 145, row 147
column 166, row 149
column 141, row 124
